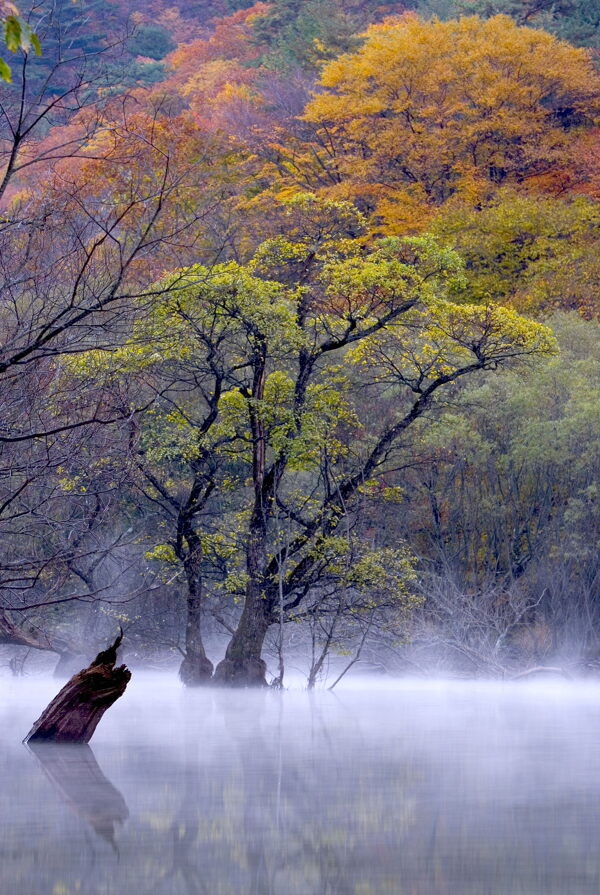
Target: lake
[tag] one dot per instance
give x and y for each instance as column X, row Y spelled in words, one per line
column 404, row 787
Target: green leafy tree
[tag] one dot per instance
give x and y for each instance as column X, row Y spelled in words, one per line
column 538, row 254
column 311, row 318
column 501, row 508
column 577, row 21
column 151, row 40
column 309, row 33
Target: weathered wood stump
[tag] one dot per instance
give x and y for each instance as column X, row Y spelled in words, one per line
column 74, row 713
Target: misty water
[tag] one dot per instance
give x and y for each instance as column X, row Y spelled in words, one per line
column 411, row 788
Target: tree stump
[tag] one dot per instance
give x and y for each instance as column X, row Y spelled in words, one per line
column 76, row 710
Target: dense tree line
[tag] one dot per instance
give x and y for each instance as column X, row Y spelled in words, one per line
column 299, row 336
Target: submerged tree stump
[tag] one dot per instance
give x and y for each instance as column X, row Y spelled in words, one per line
column 76, row 710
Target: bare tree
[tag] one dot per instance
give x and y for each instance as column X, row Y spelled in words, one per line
column 76, row 268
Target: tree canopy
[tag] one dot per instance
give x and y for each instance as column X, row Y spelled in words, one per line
column 427, row 110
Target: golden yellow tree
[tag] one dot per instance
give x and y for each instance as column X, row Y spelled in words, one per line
column 425, row 110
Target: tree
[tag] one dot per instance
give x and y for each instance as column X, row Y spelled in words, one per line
column 305, row 35
column 427, row 110
column 500, row 508
column 379, row 318
column 576, row 21
column 538, row 254
column 46, row 94
column 153, row 41
column 76, row 260
column 312, row 311
column 182, row 356
column 56, row 104
column 261, row 365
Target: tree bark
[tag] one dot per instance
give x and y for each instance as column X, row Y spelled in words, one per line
column 74, row 713
column 243, row 665
column 196, row 668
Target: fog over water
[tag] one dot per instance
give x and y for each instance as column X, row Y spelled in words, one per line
column 381, row 786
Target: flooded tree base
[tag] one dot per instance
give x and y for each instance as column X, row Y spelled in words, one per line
column 196, row 671
column 74, row 713
column 245, row 673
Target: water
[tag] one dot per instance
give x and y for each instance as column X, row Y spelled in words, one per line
column 408, row 788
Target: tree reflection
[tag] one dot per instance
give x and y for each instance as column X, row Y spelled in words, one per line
column 81, row 784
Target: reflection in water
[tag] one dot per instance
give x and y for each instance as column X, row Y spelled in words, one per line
column 77, row 777
column 409, row 789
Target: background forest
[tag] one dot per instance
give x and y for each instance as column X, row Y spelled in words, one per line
column 300, row 335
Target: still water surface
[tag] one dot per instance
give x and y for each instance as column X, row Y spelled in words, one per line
column 410, row 788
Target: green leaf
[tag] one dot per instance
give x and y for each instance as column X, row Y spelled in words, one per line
column 18, row 35
column 4, row 71
column 13, row 33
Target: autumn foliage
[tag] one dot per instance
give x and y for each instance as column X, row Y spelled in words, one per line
column 428, row 110
column 269, row 265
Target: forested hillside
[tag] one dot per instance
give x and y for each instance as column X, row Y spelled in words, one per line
column 300, row 309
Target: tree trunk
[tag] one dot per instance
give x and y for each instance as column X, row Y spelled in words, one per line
column 32, row 637
column 67, row 664
column 196, row 667
column 243, row 665
column 75, row 711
